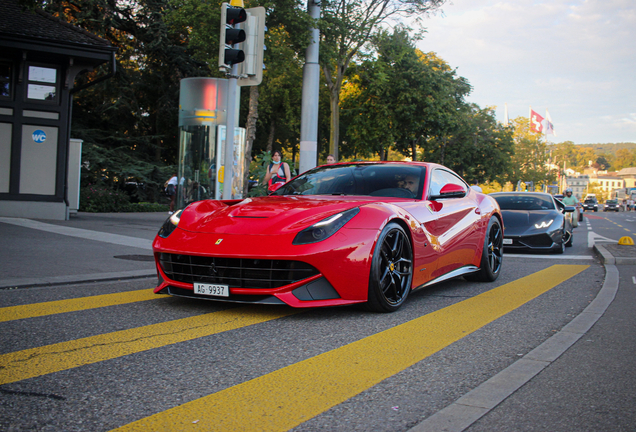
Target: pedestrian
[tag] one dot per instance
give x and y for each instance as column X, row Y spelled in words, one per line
column 278, row 172
column 171, row 190
column 331, row 159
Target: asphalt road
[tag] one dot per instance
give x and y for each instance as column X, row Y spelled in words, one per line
column 104, row 353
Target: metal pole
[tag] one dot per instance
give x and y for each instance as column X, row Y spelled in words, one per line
column 308, row 157
column 229, row 134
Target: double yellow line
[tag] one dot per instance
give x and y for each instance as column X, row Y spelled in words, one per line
column 292, row 395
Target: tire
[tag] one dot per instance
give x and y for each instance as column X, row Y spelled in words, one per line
column 391, row 270
column 569, row 242
column 560, row 247
column 492, row 254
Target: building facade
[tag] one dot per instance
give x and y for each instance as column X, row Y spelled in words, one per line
column 40, row 57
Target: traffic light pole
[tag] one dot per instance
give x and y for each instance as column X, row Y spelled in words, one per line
column 251, row 34
column 230, row 123
column 309, row 107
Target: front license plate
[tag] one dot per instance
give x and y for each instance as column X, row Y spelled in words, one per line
column 507, row 241
column 212, row 290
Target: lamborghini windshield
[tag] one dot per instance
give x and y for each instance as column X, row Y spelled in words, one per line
column 524, row 201
column 380, row 180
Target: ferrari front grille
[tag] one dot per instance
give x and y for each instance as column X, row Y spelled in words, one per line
column 235, row 272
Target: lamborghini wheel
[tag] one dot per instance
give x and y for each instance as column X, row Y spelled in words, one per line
column 391, row 270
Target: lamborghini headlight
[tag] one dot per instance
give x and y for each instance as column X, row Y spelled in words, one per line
column 170, row 224
column 325, row 228
column 543, row 224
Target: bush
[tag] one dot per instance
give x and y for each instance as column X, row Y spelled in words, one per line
column 145, row 207
column 101, row 199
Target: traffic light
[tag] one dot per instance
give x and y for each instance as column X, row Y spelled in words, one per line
column 250, row 39
column 251, row 70
column 228, row 56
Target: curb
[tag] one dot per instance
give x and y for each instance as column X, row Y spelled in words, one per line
column 610, row 259
column 74, row 279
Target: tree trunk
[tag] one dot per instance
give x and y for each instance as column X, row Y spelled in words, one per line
column 270, row 139
column 250, row 127
column 414, row 149
column 334, row 135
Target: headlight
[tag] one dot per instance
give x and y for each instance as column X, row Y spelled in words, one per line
column 170, row 224
column 325, row 228
column 544, row 224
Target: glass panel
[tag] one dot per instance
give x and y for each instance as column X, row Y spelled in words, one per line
column 41, row 92
column 5, row 79
column 5, row 71
column 42, row 74
column 382, row 180
column 197, row 164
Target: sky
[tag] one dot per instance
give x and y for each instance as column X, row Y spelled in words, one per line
column 577, row 59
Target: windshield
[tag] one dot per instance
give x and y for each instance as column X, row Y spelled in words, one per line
column 611, row 202
column 380, row 180
column 590, row 201
column 524, row 202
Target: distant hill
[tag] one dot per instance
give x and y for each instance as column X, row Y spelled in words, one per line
column 609, row 148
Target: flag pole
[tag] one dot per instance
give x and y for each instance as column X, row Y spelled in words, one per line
column 546, row 129
column 506, row 121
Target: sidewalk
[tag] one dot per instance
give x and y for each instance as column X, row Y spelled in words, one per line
column 88, row 247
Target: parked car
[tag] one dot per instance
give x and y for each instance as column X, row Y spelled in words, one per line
column 590, row 204
column 612, row 205
column 335, row 235
column 534, row 221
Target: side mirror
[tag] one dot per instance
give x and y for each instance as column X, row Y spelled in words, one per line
column 477, row 188
column 569, row 208
column 450, row 190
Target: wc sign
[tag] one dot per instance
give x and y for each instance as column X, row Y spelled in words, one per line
column 39, row 136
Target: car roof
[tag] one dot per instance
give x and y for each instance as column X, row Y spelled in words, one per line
column 537, row 194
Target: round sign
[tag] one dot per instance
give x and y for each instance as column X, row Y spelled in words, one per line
column 39, row 136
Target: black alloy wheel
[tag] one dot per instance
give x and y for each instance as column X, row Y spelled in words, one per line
column 492, row 255
column 391, row 270
column 560, row 248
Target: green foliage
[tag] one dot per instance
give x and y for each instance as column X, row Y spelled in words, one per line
column 530, row 159
column 145, row 207
column 95, row 198
column 120, row 169
column 476, row 147
column 400, row 98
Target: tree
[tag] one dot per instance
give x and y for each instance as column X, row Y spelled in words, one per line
column 625, row 158
column 400, row 98
column 478, row 148
column 529, row 163
column 347, row 25
column 133, row 116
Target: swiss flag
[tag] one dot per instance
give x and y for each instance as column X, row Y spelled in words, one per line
column 536, row 122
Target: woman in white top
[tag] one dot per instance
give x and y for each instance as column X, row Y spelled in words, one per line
column 171, row 189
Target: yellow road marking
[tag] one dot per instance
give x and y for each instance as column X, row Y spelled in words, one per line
column 11, row 313
column 292, row 395
column 29, row 363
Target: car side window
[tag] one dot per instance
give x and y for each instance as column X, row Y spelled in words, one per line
column 442, row 177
